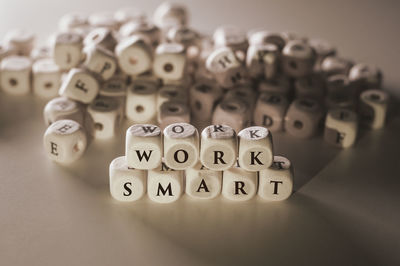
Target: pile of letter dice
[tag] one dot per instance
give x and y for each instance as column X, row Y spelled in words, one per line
column 163, row 76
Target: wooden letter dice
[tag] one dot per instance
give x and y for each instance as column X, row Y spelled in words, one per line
column 106, row 115
column 203, row 97
column 67, row 50
column 126, row 184
column 61, row 108
column 141, row 102
column 101, row 37
column 15, row 75
column 173, row 112
column 65, row 141
column 181, row 146
column 303, row 118
column 134, row 55
column 101, row 61
column 270, row 111
column 143, row 147
column 276, row 182
column 170, row 61
column 239, row 184
column 202, row 183
column 262, row 60
column 46, row 78
column 21, row 40
column 255, row 148
column 233, row 112
column 298, row 58
column 218, row 149
column 341, row 127
column 80, row 85
column 226, row 68
column 373, row 108
column 164, row 185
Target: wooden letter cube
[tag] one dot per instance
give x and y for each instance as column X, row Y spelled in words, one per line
column 202, row 183
column 61, row 108
column 203, row 97
column 101, row 61
column 341, row 127
column 170, row 61
column 15, row 75
column 303, row 118
column 46, row 78
column 255, row 148
column 270, row 111
column 164, row 185
column 173, row 112
column 134, row 55
column 67, row 50
column 143, row 148
column 181, row 146
column 218, row 148
column 65, row 141
column 80, row 85
column 126, row 184
column 141, row 102
column 106, row 115
column 373, row 108
column 239, row 184
column 276, row 182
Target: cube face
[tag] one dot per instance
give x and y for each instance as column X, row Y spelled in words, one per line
column 141, row 102
column 366, row 76
column 169, row 62
column 218, row 149
column 126, row 184
column 67, row 50
column 100, row 36
column 61, row 108
column 255, row 148
column 232, row 112
column 297, row 58
column 181, row 146
column 333, row 65
column 202, row 183
column 302, row 118
column 173, row 112
column 106, row 115
column 225, row 67
column 270, row 111
column 276, row 182
column 80, row 85
column 164, row 185
column 238, row 184
column 100, row 61
column 262, row 60
column 203, row 97
column 134, row 56
column 21, row 40
column 143, row 146
column 373, row 108
column 65, row 141
column 15, row 76
column 46, row 78
column 341, row 127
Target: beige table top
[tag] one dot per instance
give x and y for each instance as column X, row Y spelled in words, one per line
column 345, row 210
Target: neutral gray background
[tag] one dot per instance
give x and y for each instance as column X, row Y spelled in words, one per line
column 345, row 210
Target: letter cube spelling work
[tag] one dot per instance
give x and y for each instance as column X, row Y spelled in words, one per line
column 143, row 146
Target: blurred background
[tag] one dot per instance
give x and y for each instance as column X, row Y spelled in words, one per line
column 366, row 31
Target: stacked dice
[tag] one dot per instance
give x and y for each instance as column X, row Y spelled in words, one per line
column 100, row 69
column 219, row 161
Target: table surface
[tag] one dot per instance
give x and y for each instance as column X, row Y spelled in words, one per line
column 343, row 211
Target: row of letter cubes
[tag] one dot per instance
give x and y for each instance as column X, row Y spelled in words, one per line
column 165, row 185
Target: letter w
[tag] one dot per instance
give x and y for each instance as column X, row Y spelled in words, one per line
column 144, row 154
column 148, row 129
